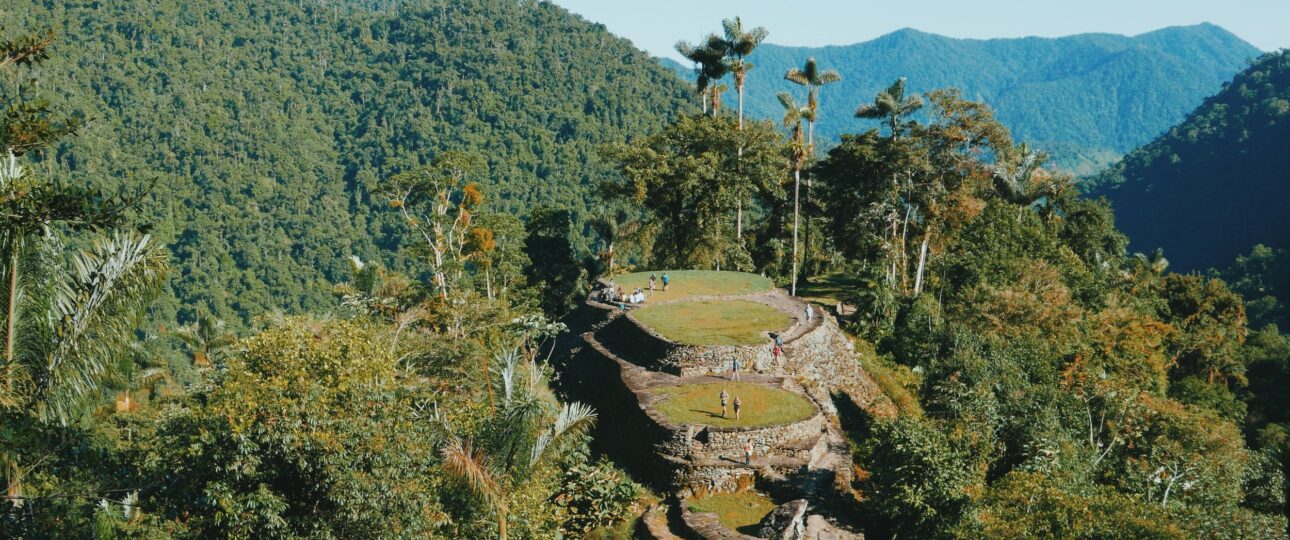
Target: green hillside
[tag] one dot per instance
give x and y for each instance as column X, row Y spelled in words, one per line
column 1219, row 182
column 262, row 122
column 1087, row 99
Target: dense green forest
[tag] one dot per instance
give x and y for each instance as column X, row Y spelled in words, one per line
column 1217, row 183
column 1086, row 99
column 1047, row 382
column 262, row 126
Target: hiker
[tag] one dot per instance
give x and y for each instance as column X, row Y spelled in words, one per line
column 666, row 280
column 651, row 283
column 734, row 372
column 738, row 405
column 776, row 350
column 779, row 341
column 810, row 313
column 725, row 398
column 748, row 453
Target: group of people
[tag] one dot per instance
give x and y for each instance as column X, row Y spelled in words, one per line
column 613, row 294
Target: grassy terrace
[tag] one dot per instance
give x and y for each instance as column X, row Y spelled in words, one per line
column 687, row 283
column 739, row 511
column 762, row 405
column 714, row 322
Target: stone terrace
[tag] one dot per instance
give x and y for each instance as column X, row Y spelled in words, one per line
column 624, row 363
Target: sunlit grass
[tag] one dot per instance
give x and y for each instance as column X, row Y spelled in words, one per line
column 687, row 283
column 762, row 405
column 714, row 322
column 738, row 511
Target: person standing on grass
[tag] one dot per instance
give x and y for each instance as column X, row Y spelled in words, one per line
column 651, row 283
column 748, row 453
column 738, row 405
column 666, row 280
column 725, row 398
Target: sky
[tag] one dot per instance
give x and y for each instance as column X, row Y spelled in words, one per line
column 656, row 25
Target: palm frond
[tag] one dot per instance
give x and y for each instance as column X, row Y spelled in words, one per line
column 574, row 417
column 470, row 466
column 97, row 309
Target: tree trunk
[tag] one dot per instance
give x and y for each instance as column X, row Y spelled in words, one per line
column 739, row 221
column 12, row 313
column 501, row 523
column 922, row 260
column 797, row 183
column 739, row 82
column 488, row 383
column 611, row 259
column 488, row 282
column 904, row 244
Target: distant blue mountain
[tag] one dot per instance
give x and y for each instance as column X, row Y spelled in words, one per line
column 1087, row 99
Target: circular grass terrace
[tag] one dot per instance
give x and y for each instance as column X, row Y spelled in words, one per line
column 740, row 512
column 714, row 322
column 762, row 405
column 690, row 283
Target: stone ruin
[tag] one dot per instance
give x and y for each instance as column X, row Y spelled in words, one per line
column 621, row 364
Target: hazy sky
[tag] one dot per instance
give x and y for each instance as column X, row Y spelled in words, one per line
column 655, row 25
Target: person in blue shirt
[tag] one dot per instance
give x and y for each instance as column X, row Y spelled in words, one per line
column 666, row 280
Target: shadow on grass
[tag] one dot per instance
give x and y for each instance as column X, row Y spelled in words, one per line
column 709, row 413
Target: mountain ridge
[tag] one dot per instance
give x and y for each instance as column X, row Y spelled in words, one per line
column 1215, row 184
column 1138, row 85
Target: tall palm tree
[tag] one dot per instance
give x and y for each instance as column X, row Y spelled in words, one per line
column 709, row 66
column 813, row 79
column 794, row 115
column 891, row 106
column 739, row 44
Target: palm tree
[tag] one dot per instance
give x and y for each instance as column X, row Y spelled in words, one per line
column 1014, row 181
column 714, row 96
column 738, row 45
column 813, row 79
column 515, row 447
column 793, row 117
column 709, row 66
column 891, row 106
column 64, row 325
column 612, row 226
column 206, row 339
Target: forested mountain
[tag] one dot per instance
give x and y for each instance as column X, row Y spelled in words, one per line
column 264, row 123
column 1217, row 183
column 1087, row 98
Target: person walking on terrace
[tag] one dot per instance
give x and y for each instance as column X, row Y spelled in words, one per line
column 651, row 284
column 810, row 313
column 666, row 280
column 748, row 453
column 725, row 398
column 738, row 405
column 734, row 369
